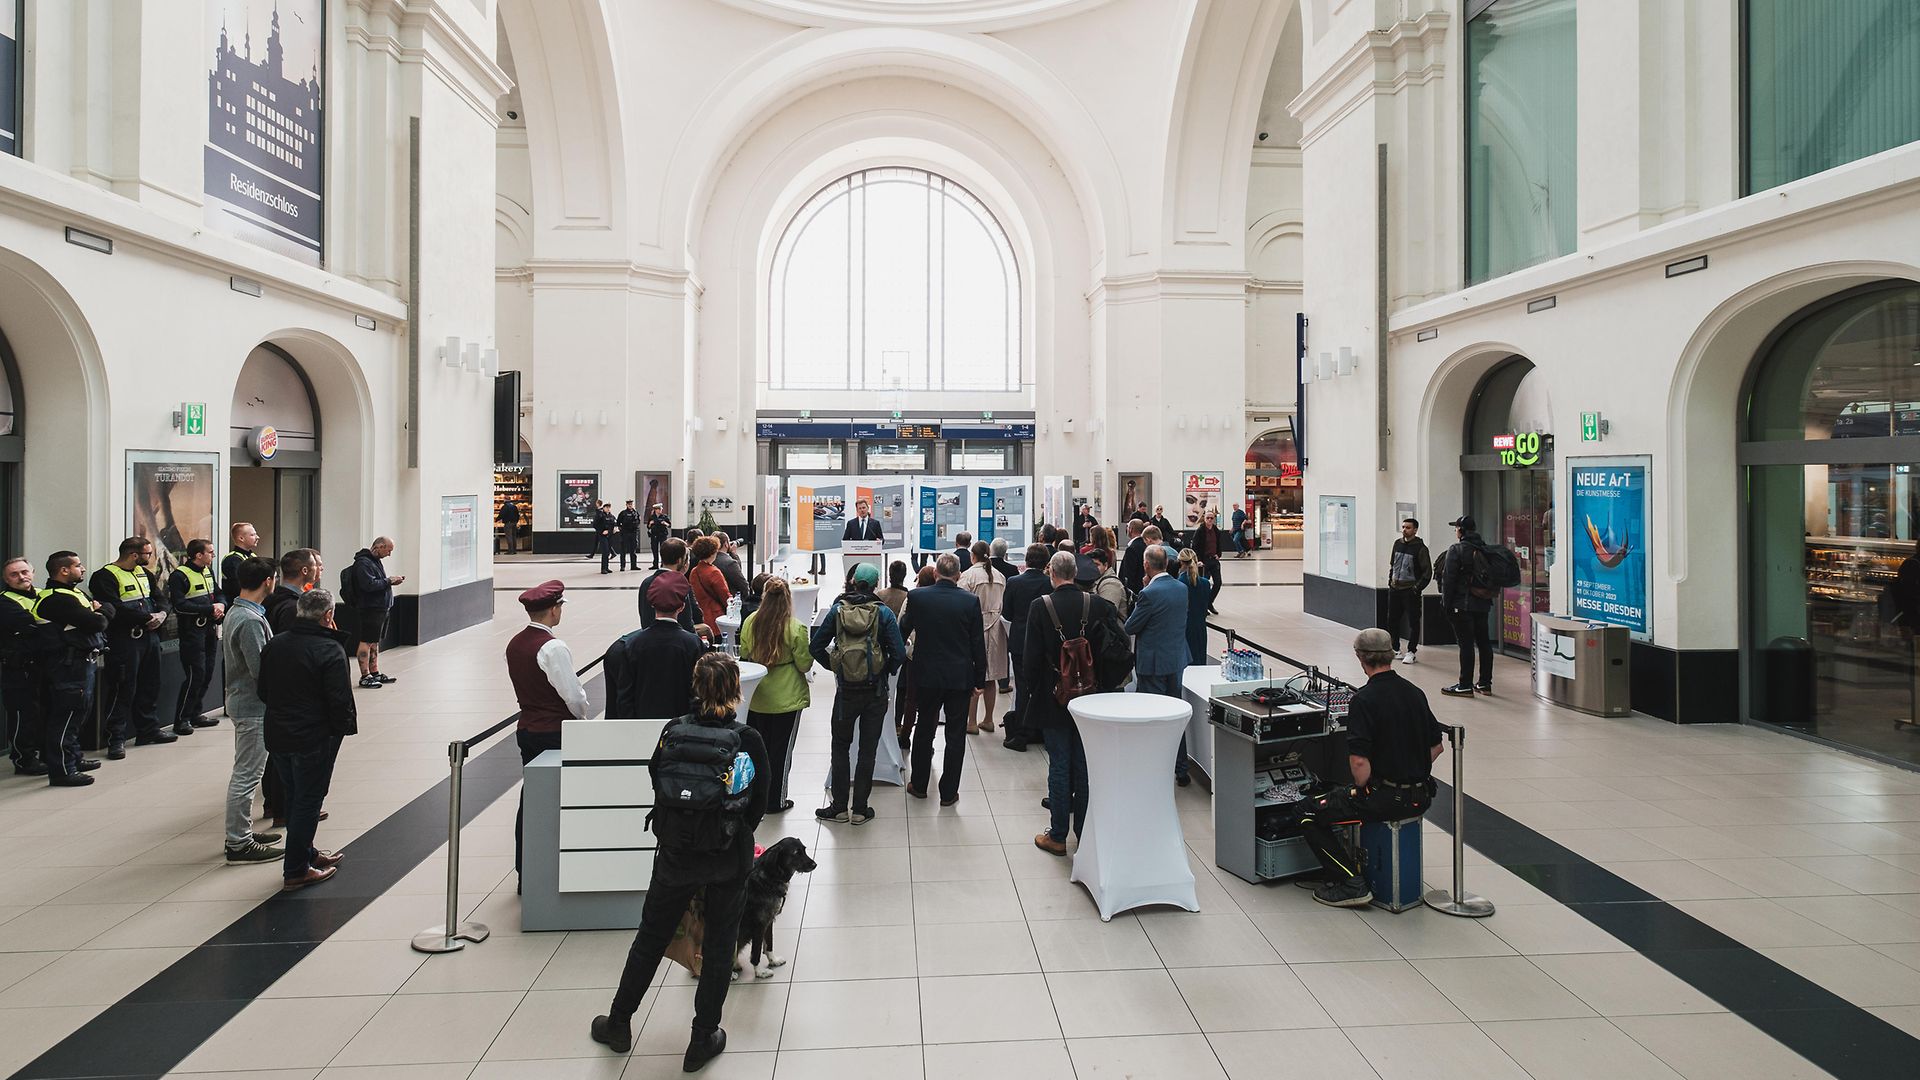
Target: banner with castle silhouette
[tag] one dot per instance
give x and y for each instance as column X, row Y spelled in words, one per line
column 265, row 122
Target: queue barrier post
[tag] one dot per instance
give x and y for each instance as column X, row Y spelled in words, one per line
column 1459, row 901
column 452, row 935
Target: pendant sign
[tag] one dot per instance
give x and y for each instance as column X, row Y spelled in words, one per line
column 263, row 442
column 193, row 418
column 1522, row 449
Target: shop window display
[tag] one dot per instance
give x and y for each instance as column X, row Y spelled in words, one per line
column 1831, row 519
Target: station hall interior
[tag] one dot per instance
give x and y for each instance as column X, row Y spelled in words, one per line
column 434, row 304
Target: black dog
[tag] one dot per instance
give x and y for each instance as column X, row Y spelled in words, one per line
column 766, row 895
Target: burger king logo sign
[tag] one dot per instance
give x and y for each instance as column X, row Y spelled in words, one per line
column 263, row 442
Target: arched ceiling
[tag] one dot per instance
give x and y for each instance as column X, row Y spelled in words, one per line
column 979, row 16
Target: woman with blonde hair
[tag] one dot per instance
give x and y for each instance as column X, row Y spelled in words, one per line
column 1199, row 597
column 989, row 587
column 774, row 639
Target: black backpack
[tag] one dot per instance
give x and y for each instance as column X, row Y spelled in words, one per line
column 692, row 768
column 1494, row 568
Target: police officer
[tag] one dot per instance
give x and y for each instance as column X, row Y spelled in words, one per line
column 125, row 589
column 1392, row 741
column 243, row 541
column 629, row 522
column 77, row 627
column 199, row 607
column 22, row 640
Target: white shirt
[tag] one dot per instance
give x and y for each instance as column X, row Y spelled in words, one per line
column 556, row 660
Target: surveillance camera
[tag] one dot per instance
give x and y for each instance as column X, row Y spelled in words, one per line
column 1263, row 135
column 514, row 115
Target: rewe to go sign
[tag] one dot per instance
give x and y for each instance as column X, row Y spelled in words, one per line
column 193, row 418
column 1519, row 450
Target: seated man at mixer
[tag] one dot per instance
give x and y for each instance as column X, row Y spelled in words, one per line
column 1392, row 741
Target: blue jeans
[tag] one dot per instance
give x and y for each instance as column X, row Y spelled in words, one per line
column 1166, row 686
column 307, row 776
column 1066, row 779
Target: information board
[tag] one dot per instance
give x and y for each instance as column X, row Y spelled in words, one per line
column 1611, row 574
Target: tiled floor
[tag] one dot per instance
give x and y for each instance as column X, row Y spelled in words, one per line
column 939, row 943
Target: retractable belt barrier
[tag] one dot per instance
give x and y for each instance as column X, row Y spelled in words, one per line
column 1458, row 901
column 453, row 934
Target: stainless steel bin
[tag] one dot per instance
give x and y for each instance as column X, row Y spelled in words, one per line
column 1582, row 665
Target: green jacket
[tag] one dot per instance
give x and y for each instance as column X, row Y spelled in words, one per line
column 785, row 688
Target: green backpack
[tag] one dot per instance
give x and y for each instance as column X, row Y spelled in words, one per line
column 856, row 650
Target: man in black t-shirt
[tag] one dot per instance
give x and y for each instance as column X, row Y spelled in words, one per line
column 1392, row 741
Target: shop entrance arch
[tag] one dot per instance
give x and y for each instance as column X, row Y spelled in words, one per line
column 12, row 449
column 274, row 447
column 1275, row 495
column 1829, row 456
column 1511, row 497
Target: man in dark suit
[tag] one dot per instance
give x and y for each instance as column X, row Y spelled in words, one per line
column 1132, row 573
column 963, row 550
column 1168, row 533
column 1081, row 614
column 863, row 526
column 673, row 553
column 650, row 671
column 1159, row 625
column 949, row 665
column 1022, row 590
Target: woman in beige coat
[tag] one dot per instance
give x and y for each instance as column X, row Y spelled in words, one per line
column 989, row 586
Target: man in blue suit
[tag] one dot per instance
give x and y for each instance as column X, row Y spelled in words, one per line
column 949, row 665
column 1159, row 626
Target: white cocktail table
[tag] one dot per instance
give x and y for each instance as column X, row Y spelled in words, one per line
column 1132, row 853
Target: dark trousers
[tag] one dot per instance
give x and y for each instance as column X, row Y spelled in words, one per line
column 1019, row 732
column 655, row 542
column 905, row 706
column 659, row 919
column 629, row 551
column 931, row 702
column 1470, row 630
column 198, row 645
column 1403, row 608
column 777, row 730
column 1351, row 806
column 1166, row 686
column 532, row 745
column 307, row 776
column 1211, row 564
column 132, row 687
column 20, row 701
column 273, row 794
column 862, row 709
column 605, row 547
column 1066, row 779
column 67, row 707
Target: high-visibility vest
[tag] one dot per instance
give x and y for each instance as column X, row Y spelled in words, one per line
column 29, row 603
column 199, row 582
column 132, row 586
column 86, row 602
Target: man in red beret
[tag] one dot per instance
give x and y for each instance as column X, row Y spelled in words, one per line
column 541, row 667
column 650, row 671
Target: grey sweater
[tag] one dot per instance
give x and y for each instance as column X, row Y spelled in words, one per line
column 241, row 638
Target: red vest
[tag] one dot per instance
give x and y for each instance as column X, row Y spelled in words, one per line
column 541, row 707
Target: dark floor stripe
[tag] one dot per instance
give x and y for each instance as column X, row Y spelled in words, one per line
column 1819, row 1025
column 152, row 1030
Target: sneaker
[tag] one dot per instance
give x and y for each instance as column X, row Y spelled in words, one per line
column 702, row 1049
column 385, row 678
column 1483, row 688
column 204, row 721
column 1310, row 881
column 68, row 780
column 158, row 737
column 862, row 815
column 184, row 727
column 1352, row 892
column 253, row 852
column 1410, row 658
column 833, row 813
column 368, row 682
column 1457, row 690
column 88, row 764
column 30, row 767
column 614, row 1036
column 116, row 751
column 267, row 838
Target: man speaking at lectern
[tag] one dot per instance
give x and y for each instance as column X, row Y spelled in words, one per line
column 863, row 527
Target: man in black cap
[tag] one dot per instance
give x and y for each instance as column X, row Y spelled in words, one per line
column 544, row 683
column 1467, row 593
column 658, row 527
column 629, row 522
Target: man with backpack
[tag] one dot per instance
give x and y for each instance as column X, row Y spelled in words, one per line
column 710, row 785
column 1471, row 576
column 860, row 642
column 1074, row 646
column 1022, row 590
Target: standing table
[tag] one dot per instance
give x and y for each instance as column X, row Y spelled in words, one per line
column 1132, row 852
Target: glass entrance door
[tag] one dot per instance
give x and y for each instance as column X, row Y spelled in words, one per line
column 1526, row 528
column 294, row 508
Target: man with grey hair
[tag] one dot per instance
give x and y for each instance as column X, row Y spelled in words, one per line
column 1062, row 615
column 949, row 663
column 1392, row 742
column 307, row 689
column 1159, row 625
column 368, row 590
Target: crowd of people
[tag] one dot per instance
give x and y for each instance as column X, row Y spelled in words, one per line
column 86, row 648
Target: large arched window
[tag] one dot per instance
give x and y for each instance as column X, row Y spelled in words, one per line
column 894, row 279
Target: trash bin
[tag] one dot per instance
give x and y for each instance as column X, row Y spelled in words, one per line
column 1789, row 682
column 1582, row 665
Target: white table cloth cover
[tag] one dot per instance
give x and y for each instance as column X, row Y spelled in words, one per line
column 888, row 766
column 729, row 629
column 1132, row 852
column 750, row 676
column 806, row 598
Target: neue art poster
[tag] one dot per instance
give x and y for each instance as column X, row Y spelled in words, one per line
column 170, row 500
column 266, row 103
column 1611, row 575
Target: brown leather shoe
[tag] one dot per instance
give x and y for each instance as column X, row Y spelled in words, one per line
column 916, row 792
column 314, row 876
column 1049, row 845
column 328, row 859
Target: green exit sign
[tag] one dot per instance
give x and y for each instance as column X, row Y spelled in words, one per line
column 193, row 418
column 1591, row 427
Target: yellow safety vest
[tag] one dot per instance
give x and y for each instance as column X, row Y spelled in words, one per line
column 86, row 602
column 29, row 603
column 132, row 586
column 199, row 582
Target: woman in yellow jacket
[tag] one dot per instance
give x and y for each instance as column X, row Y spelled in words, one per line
column 773, row 638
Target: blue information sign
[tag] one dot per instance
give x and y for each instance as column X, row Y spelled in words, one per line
column 1612, row 578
